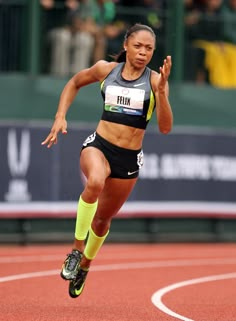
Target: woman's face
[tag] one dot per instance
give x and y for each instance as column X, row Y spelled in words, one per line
column 139, row 47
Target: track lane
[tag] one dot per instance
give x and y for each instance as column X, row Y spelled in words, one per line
column 120, row 293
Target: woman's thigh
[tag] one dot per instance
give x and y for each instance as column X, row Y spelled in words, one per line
column 115, row 193
column 94, row 164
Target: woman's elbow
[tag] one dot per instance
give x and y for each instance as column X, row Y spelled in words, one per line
column 165, row 131
column 165, row 128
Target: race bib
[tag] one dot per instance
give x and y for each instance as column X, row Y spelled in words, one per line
column 124, row 100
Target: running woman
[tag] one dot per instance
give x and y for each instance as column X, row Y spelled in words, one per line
column 112, row 156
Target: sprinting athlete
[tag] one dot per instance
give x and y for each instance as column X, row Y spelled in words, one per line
column 112, row 156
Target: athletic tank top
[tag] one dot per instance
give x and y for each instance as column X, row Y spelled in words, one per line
column 127, row 102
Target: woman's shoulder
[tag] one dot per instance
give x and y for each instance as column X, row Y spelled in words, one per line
column 103, row 68
column 154, row 74
column 154, row 79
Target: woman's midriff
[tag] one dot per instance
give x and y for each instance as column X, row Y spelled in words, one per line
column 121, row 135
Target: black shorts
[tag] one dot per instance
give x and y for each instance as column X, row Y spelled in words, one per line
column 124, row 163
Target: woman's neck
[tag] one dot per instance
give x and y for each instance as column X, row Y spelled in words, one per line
column 130, row 73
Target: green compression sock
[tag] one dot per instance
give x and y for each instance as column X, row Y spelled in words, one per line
column 85, row 214
column 93, row 245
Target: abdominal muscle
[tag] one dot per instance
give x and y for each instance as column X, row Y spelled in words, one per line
column 121, row 135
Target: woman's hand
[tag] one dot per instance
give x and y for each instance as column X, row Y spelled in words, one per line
column 165, row 72
column 60, row 125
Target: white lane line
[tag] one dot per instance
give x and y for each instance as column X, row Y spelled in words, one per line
column 28, row 275
column 123, row 266
column 157, row 296
column 160, row 263
column 32, row 258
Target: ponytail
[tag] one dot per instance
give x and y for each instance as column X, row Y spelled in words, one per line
column 121, row 56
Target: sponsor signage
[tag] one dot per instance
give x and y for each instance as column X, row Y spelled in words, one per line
column 184, row 172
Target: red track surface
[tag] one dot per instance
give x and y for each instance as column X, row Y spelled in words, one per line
column 121, row 284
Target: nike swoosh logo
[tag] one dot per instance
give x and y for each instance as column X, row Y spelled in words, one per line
column 137, row 85
column 131, row 173
column 79, row 291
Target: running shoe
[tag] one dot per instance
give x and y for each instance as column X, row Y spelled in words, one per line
column 76, row 286
column 71, row 264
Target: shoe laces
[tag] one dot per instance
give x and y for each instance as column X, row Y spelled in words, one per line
column 73, row 259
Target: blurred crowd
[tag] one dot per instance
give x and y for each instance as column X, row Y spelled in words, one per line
column 85, row 31
column 210, row 27
column 90, row 29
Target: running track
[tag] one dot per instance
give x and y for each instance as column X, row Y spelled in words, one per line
column 127, row 282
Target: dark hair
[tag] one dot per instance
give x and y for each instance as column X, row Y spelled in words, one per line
column 121, row 56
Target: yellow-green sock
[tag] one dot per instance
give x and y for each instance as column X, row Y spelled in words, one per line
column 93, row 244
column 85, row 214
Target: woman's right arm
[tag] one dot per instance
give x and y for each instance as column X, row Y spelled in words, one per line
column 85, row 77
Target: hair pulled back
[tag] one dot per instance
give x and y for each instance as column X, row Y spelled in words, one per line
column 121, row 56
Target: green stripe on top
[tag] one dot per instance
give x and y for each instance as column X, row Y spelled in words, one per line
column 151, row 106
column 102, row 84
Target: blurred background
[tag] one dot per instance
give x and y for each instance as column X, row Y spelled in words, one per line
column 186, row 190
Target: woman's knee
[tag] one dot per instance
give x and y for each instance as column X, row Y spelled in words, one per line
column 101, row 225
column 95, row 184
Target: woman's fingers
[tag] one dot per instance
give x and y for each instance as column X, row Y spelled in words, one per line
column 52, row 137
column 50, row 140
column 165, row 69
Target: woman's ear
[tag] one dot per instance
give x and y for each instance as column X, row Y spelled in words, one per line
column 125, row 45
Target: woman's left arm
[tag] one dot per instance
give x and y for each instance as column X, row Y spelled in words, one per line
column 161, row 90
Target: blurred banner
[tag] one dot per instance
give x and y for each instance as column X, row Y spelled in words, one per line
column 189, row 172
